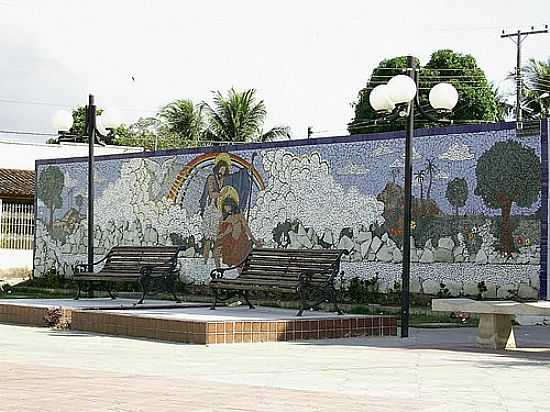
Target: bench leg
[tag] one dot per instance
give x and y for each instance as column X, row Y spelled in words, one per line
column 143, row 285
column 79, row 290
column 111, row 291
column 90, row 289
column 250, row 305
column 335, row 301
column 173, row 290
column 215, row 292
column 496, row 331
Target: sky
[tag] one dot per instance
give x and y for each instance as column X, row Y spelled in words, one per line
column 307, row 59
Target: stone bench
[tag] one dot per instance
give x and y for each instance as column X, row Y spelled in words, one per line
column 495, row 317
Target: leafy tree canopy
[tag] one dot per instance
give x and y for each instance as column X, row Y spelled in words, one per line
column 234, row 117
column 476, row 95
column 239, row 117
column 457, row 193
column 508, row 173
column 536, row 103
column 511, row 169
column 50, row 187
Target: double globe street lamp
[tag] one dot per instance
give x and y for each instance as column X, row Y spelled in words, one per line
column 399, row 98
column 96, row 128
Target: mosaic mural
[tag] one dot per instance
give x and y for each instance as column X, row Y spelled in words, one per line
column 477, row 207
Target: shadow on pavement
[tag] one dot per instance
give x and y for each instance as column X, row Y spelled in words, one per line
column 533, row 342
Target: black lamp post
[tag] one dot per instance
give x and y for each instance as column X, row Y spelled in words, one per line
column 399, row 99
column 63, row 122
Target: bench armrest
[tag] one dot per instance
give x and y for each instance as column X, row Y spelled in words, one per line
column 218, row 272
column 149, row 268
column 84, row 266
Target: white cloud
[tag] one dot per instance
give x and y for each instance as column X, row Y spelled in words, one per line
column 136, row 195
column 132, row 37
column 397, row 164
column 381, row 150
column 456, row 152
column 353, row 169
column 302, row 188
column 415, row 155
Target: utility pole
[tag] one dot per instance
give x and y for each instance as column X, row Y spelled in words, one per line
column 517, row 37
column 91, row 180
column 309, row 131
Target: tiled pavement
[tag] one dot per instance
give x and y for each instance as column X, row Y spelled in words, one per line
column 439, row 370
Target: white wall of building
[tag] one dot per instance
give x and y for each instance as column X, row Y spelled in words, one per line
column 15, row 262
column 23, row 155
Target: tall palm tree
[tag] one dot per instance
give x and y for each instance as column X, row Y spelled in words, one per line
column 239, row 117
column 537, row 80
column 184, row 119
column 431, row 169
column 505, row 108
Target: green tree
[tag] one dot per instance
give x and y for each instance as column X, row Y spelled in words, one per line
column 143, row 133
column 239, row 117
column 508, row 173
column 457, row 193
column 504, row 105
column 79, row 201
column 431, row 169
column 149, row 133
column 49, row 189
column 476, row 96
column 80, row 122
column 184, row 119
column 537, row 80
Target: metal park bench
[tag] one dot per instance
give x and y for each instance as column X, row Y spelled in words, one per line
column 309, row 273
column 496, row 329
column 148, row 265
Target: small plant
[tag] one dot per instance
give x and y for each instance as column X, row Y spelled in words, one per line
column 444, row 292
column 55, row 318
column 462, row 317
column 393, row 296
column 482, row 290
column 364, row 290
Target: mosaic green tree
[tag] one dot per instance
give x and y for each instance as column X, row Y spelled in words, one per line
column 457, row 193
column 508, row 173
column 49, row 189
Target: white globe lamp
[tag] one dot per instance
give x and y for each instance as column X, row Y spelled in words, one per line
column 402, row 89
column 443, row 96
column 379, row 99
column 62, row 121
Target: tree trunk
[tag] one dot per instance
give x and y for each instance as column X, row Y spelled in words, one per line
column 506, row 228
column 51, row 217
column 429, row 191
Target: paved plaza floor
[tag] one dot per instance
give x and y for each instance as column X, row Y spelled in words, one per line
column 433, row 370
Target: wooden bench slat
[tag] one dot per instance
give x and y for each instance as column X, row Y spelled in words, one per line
column 291, row 264
column 128, row 263
column 287, row 269
column 280, row 270
column 297, row 252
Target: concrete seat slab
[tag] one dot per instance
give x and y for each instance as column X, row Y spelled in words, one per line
column 496, row 330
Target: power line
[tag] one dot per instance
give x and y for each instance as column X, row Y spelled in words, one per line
column 67, row 106
column 27, row 133
column 518, row 37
